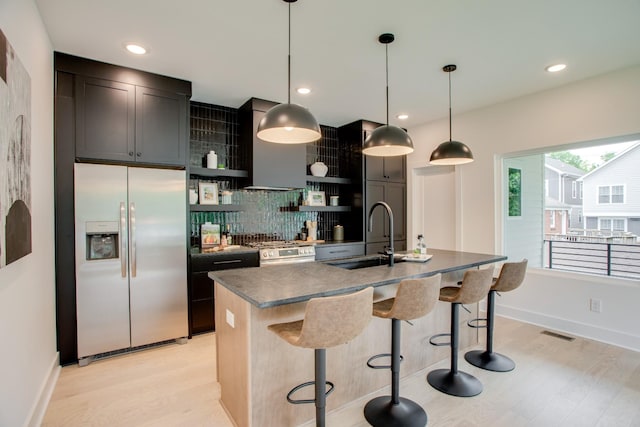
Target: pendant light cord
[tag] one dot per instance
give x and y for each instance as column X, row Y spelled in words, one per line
column 289, row 61
column 450, row 138
column 386, row 48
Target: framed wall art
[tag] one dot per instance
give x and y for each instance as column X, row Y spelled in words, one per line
column 208, row 194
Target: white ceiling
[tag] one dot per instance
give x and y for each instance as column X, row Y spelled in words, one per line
column 236, row 49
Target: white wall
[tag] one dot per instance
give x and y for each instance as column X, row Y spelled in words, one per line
column 29, row 361
column 602, row 107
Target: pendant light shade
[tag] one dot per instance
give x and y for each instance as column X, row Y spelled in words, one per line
column 451, row 152
column 387, row 141
column 288, row 123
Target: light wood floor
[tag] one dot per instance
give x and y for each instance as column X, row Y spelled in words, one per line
column 555, row 383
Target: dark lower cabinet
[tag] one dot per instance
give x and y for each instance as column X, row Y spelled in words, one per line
column 201, row 296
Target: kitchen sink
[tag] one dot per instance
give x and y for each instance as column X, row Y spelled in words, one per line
column 363, row 262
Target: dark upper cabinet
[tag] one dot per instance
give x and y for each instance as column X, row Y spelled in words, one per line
column 122, row 115
column 391, row 169
column 126, row 123
column 161, row 126
column 105, row 119
column 270, row 165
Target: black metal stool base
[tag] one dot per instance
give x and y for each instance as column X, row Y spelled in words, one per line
column 490, row 361
column 458, row 384
column 381, row 412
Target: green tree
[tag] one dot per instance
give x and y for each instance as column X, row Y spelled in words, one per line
column 607, row 156
column 573, row 160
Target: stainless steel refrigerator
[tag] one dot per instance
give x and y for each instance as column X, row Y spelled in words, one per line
column 131, row 256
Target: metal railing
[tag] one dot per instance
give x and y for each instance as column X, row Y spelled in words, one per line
column 609, row 259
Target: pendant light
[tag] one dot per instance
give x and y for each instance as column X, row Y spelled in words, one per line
column 451, row 152
column 288, row 123
column 387, row 141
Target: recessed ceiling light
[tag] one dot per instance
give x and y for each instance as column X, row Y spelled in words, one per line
column 135, row 48
column 402, row 116
column 555, row 68
column 303, row 90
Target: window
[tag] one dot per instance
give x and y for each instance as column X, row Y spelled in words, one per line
column 600, row 204
column 612, row 224
column 581, row 190
column 617, row 194
column 611, row 194
column 603, row 194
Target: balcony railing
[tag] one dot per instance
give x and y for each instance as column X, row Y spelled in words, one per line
column 608, row 259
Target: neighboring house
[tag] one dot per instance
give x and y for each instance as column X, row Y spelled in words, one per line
column 612, row 194
column 563, row 196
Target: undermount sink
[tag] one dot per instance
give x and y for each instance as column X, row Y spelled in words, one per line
column 363, row 262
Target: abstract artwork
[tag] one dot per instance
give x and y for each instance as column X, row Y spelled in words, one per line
column 15, row 156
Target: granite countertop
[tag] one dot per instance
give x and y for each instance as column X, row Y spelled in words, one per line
column 275, row 285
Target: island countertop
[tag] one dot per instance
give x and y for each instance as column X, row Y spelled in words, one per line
column 275, row 285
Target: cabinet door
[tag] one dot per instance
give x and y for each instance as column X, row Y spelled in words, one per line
column 394, row 168
column 161, row 127
column 105, row 119
column 375, row 191
column 386, row 168
column 396, row 197
column 374, row 168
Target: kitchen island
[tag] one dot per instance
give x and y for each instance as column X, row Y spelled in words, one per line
column 256, row 369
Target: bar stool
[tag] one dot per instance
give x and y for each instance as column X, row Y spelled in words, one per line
column 474, row 286
column 414, row 298
column 511, row 276
column 328, row 322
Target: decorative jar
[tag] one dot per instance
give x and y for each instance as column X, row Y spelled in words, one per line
column 319, row 169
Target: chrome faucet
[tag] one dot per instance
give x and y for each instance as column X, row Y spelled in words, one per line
column 388, row 250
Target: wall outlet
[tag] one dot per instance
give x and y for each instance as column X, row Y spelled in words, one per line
column 595, row 305
column 231, row 319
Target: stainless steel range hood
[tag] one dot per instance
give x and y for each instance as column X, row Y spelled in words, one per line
column 271, row 166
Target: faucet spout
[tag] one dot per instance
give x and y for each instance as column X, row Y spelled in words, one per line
column 389, row 251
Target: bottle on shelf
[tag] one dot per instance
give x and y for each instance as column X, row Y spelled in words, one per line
column 228, row 234
column 212, row 160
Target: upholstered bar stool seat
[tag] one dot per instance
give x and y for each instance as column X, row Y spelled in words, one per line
column 474, row 287
column 511, row 277
column 328, row 322
column 414, row 298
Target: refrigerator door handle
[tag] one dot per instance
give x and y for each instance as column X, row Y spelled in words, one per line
column 132, row 232
column 123, row 240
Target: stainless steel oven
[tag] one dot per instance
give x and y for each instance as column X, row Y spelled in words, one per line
column 285, row 252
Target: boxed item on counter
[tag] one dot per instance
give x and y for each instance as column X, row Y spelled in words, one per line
column 209, row 236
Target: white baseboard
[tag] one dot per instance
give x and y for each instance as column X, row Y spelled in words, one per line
column 46, row 390
column 608, row 336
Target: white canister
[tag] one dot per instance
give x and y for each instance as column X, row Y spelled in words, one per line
column 193, row 196
column 212, row 160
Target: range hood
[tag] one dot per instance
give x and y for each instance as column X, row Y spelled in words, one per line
column 271, row 166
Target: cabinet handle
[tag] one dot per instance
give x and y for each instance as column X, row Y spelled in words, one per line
column 139, row 154
column 339, row 252
column 231, row 261
column 123, row 240
column 130, row 153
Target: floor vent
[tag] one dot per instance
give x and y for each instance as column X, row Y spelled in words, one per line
column 557, row 335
